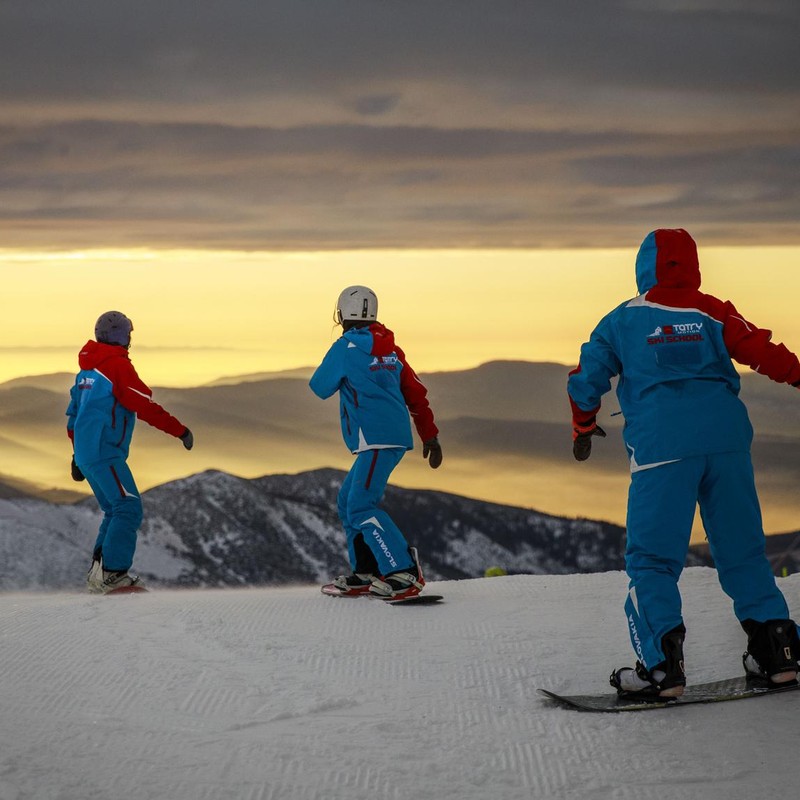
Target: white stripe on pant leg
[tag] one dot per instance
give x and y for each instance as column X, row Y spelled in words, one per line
column 379, row 540
column 634, row 599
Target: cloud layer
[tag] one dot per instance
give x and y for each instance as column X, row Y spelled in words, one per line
column 350, row 123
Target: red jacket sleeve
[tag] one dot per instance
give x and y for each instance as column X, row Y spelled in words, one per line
column 581, row 418
column 746, row 343
column 416, row 397
column 750, row 345
column 133, row 393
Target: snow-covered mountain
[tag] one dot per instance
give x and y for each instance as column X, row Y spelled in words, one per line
column 215, row 529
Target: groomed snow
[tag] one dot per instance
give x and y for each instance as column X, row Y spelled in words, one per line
column 265, row 694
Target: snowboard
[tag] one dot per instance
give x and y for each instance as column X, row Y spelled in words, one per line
column 417, row 600
column 711, row 692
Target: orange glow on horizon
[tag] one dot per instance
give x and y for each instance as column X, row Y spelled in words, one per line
column 199, row 315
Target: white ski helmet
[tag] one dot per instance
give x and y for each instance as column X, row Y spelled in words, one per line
column 357, row 304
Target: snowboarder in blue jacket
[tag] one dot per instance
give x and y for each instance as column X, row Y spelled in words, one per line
column 377, row 389
column 105, row 401
column 688, row 439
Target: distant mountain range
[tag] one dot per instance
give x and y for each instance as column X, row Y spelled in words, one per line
column 215, row 529
column 504, row 429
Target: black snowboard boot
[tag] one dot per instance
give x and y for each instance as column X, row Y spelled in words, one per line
column 773, row 650
column 665, row 680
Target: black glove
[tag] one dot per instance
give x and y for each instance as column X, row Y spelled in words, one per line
column 582, row 439
column 433, row 449
column 77, row 475
column 187, row 439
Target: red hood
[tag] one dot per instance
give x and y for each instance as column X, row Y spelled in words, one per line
column 382, row 340
column 677, row 266
column 667, row 259
column 93, row 354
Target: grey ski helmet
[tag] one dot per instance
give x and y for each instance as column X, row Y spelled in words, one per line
column 113, row 327
column 357, row 304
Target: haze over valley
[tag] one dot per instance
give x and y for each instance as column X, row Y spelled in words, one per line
column 504, row 429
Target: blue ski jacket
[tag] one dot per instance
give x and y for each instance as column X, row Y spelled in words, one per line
column 672, row 347
column 377, row 389
column 105, row 400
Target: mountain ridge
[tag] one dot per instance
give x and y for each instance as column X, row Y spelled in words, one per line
column 504, row 429
column 214, row 529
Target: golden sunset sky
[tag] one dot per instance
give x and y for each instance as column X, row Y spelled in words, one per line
column 201, row 315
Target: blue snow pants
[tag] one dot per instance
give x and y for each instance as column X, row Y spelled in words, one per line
column 661, row 508
column 118, row 497
column 366, row 524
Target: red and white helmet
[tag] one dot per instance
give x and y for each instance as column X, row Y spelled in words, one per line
column 357, row 304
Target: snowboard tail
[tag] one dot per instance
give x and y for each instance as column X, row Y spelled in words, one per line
column 415, row 600
column 711, row 692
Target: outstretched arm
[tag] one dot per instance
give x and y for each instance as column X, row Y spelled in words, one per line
column 416, row 397
column 133, row 393
column 750, row 345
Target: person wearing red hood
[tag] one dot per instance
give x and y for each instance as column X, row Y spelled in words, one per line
column 688, row 438
column 377, row 389
column 105, row 401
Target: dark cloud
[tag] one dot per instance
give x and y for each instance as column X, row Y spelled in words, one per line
column 376, row 104
column 330, row 123
column 125, row 45
column 154, row 48
column 349, row 186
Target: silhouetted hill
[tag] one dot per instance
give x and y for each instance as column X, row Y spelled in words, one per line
column 504, row 429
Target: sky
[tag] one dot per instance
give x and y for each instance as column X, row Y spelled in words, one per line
column 221, row 172
column 267, row 125
column 202, row 315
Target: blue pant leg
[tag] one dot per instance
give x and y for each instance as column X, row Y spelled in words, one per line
column 358, row 553
column 732, row 519
column 661, row 507
column 370, row 475
column 341, row 507
column 105, row 507
column 114, row 481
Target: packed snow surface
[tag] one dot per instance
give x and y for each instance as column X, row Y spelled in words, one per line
column 265, row 694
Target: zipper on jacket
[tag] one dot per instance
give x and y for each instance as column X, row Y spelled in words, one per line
column 114, row 414
column 346, row 419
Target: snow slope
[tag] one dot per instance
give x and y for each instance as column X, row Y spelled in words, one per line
column 265, row 694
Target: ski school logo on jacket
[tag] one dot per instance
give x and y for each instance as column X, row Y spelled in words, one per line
column 384, row 362
column 679, row 332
